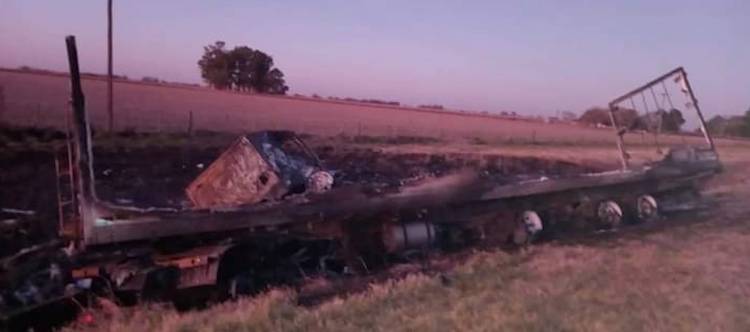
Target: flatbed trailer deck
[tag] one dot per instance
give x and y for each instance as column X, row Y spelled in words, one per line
column 454, row 191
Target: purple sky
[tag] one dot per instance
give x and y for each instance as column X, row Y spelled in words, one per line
column 533, row 57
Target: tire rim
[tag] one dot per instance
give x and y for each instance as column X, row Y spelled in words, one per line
column 529, row 226
column 609, row 213
column 647, row 207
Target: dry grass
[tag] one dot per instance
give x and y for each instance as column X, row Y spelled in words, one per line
column 660, row 282
column 689, row 275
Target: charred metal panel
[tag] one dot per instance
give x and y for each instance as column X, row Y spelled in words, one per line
column 261, row 166
column 198, row 266
column 288, row 155
column 239, row 176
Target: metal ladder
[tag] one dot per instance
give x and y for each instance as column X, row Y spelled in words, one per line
column 69, row 214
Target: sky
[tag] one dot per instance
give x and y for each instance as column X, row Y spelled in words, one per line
column 531, row 57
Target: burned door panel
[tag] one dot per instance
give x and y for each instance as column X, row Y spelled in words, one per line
column 266, row 165
column 239, row 176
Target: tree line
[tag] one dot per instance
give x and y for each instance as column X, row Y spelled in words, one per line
column 737, row 125
column 670, row 121
column 240, row 69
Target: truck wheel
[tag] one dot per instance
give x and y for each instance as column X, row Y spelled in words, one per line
column 609, row 214
column 241, row 284
column 647, row 208
column 528, row 227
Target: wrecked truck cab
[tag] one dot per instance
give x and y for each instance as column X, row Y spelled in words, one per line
column 261, row 166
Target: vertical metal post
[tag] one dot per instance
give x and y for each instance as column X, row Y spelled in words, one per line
column 190, row 124
column 2, row 103
column 86, row 194
column 110, row 102
column 620, row 140
column 81, row 128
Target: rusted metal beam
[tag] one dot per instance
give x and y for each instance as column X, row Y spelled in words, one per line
column 81, row 128
column 620, row 141
column 82, row 145
column 645, row 86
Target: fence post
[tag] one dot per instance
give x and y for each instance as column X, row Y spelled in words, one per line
column 190, row 124
column 2, row 103
column 161, row 122
column 38, row 116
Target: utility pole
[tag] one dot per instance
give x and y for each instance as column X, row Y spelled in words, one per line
column 110, row 104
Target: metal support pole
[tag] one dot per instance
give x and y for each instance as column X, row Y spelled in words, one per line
column 110, row 102
column 620, row 140
column 81, row 128
column 85, row 189
column 2, row 103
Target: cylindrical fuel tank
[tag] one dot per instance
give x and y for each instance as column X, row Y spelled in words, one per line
column 409, row 235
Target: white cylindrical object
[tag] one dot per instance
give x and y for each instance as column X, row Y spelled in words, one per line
column 411, row 235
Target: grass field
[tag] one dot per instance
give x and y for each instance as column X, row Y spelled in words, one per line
column 40, row 100
column 684, row 273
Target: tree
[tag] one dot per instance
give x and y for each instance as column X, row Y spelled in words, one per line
column 672, row 121
column 214, row 65
column 737, row 125
column 600, row 116
column 659, row 121
column 568, row 116
column 150, row 79
column 241, row 69
column 275, row 82
column 595, row 116
column 745, row 128
column 626, row 117
column 719, row 125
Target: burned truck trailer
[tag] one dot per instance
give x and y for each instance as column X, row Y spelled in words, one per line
column 262, row 210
